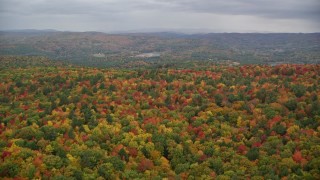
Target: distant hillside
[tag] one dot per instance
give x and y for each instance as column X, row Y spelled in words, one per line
column 31, row 30
column 28, row 61
column 122, row 49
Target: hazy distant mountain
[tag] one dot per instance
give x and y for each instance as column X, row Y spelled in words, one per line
column 31, row 30
column 117, row 49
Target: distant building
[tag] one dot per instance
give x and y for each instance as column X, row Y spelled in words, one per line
column 235, row 63
column 148, row 55
column 99, row 55
column 231, row 63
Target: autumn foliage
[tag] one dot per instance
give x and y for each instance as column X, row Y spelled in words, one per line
column 222, row 122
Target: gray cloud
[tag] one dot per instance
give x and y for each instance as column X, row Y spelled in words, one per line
column 122, row 15
column 267, row 8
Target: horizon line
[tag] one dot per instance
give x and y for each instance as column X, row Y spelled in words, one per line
column 181, row 31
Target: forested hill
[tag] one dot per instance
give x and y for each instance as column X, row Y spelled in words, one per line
column 28, row 62
column 153, row 49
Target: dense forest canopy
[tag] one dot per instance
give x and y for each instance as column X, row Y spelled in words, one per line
column 59, row 121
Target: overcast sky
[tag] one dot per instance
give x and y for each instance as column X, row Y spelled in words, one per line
column 162, row 15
